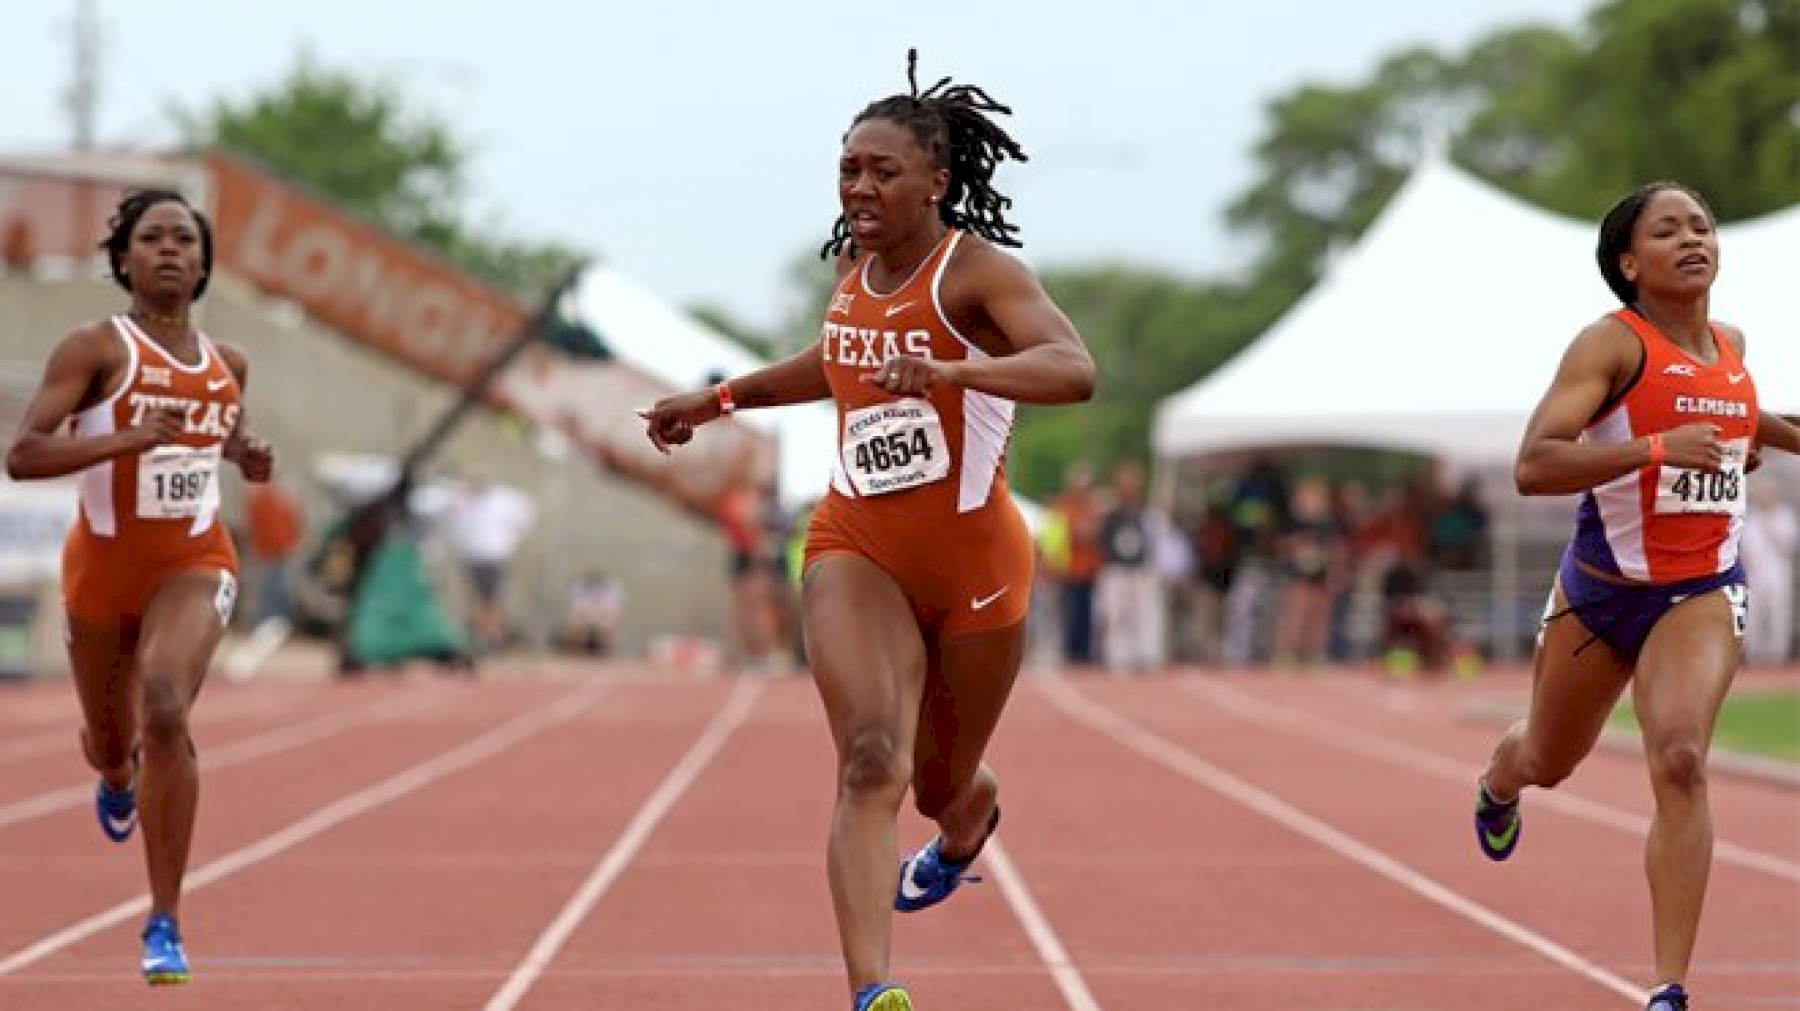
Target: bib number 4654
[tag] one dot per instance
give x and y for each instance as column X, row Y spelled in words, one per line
column 895, row 449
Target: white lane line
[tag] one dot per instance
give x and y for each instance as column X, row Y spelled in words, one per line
column 1049, row 947
column 624, row 849
column 236, row 753
column 1352, row 739
column 226, row 709
column 399, row 785
column 1178, row 759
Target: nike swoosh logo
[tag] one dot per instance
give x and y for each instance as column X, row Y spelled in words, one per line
column 893, row 309
column 977, row 603
column 217, row 386
column 909, row 891
column 1736, row 377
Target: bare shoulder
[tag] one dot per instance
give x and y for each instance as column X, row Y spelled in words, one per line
column 96, row 342
column 1607, row 336
column 1734, row 334
column 235, row 358
column 978, row 269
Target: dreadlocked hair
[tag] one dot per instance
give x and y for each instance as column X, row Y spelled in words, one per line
column 124, row 221
column 953, row 123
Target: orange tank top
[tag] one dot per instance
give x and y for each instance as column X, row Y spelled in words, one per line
column 939, row 455
column 167, row 497
column 1665, row 524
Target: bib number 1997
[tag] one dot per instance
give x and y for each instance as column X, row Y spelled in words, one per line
column 175, row 482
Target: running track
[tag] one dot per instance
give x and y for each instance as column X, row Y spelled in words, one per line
column 628, row 842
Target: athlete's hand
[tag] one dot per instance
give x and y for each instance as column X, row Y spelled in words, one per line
column 907, row 375
column 1694, row 447
column 159, row 427
column 254, row 456
column 671, row 422
column 1754, row 459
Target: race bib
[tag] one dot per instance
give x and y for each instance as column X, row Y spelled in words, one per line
column 893, row 447
column 175, row 482
column 1696, row 491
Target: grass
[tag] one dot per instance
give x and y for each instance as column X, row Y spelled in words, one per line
column 1765, row 723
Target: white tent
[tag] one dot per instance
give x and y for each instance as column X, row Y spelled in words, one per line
column 1439, row 331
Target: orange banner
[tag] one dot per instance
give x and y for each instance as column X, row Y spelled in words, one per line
column 431, row 317
column 355, row 278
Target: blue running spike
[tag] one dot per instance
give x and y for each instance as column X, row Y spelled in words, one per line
column 928, row 879
column 117, row 810
column 165, row 962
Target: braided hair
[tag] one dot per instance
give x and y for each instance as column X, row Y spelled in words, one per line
column 952, row 123
column 124, row 221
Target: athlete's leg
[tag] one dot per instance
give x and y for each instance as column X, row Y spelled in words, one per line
column 181, row 630
column 868, row 659
column 1576, row 681
column 966, row 687
column 1685, row 672
column 101, row 661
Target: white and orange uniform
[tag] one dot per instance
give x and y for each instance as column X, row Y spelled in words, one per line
column 144, row 518
column 1666, row 524
column 919, row 487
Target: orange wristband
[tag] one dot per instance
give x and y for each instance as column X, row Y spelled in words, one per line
column 1656, row 450
column 726, row 403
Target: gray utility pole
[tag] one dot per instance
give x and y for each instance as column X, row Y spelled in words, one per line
column 82, row 99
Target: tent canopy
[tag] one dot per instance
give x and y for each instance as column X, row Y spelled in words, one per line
column 1440, row 330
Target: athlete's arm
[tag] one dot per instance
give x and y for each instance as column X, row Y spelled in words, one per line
column 253, row 455
column 78, row 364
column 1778, row 431
column 1045, row 361
column 1775, row 430
column 1553, row 461
column 799, row 379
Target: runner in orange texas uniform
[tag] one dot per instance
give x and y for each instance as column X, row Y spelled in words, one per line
column 918, row 564
column 143, row 406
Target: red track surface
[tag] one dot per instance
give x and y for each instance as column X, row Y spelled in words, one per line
column 1258, row 843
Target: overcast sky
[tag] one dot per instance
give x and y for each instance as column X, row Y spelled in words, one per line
column 694, row 144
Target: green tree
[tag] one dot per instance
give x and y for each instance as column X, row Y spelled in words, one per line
column 1704, row 91
column 354, row 141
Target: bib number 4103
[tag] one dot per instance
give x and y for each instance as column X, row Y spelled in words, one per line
column 1679, row 490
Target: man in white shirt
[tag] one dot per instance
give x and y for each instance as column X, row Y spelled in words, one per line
column 485, row 523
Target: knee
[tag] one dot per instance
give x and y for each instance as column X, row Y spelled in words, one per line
column 165, row 715
column 873, row 764
column 1679, row 763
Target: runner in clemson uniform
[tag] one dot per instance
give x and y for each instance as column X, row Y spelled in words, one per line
column 918, row 564
column 144, row 408
column 1653, row 419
